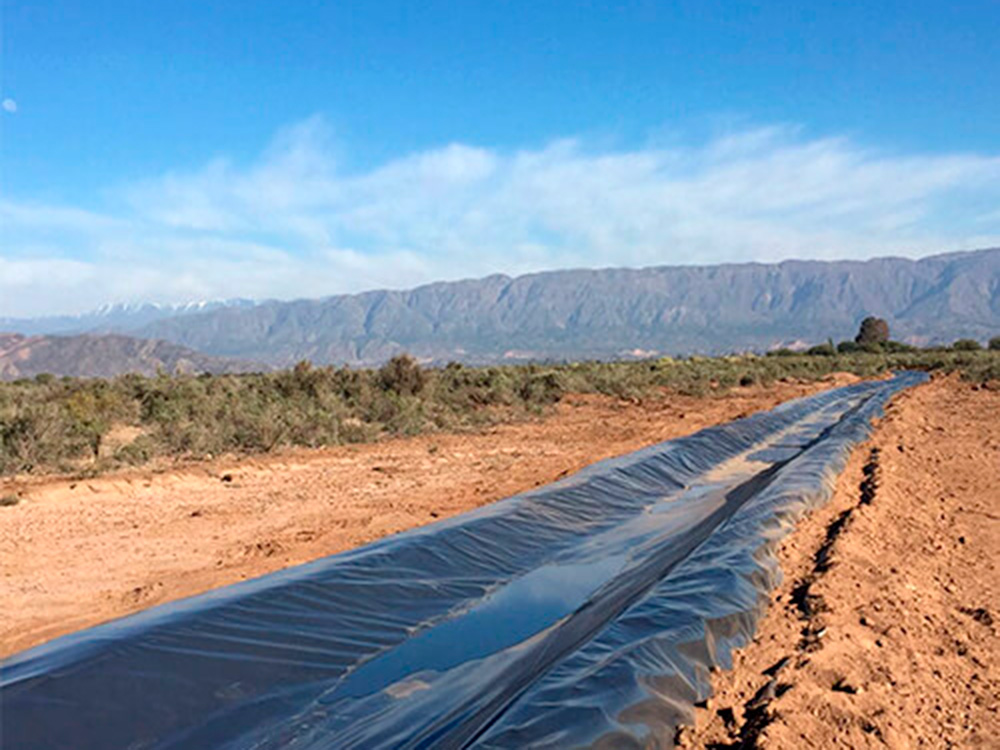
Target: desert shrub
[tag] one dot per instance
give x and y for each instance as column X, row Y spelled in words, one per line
column 822, row 350
column 982, row 370
column 403, row 375
column 136, row 453
column 966, row 345
column 91, row 412
column 872, row 347
column 459, row 388
column 848, row 347
column 8, row 501
column 541, row 387
column 35, row 435
column 408, row 417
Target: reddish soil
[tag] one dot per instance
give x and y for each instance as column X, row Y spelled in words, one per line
column 79, row 552
column 885, row 632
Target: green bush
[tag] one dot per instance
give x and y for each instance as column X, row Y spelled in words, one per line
column 542, row 388
column 994, row 344
column 848, row 347
column 822, row 350
column 138, row 452
column 966, row 345
column 872, row 347
column 402, row 375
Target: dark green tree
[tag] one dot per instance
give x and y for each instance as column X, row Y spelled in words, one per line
column 872, row 331
column 966, row 345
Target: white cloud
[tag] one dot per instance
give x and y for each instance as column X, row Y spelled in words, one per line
column 9, row 105
column 293, row 223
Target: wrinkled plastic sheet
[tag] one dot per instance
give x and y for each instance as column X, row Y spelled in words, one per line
column 586, row 613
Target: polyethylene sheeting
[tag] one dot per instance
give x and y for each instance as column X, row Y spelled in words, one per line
column 582, row 614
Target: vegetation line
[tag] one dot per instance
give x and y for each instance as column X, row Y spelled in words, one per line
column 50, row 424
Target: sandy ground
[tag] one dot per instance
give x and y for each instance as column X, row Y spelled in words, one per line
column 884, row 633
column 76, row 553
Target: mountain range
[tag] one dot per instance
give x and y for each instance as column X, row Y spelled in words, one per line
column 103, row 355
column 117, row 317
column 606, row 313
column 613, row 313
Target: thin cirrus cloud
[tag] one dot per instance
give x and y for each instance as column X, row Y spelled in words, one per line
column 293, row 223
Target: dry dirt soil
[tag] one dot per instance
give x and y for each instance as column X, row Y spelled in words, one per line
column 884, row 633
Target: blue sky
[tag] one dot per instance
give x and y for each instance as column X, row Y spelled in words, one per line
column 181, row 150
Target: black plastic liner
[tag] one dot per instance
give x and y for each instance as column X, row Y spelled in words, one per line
column 582, row 614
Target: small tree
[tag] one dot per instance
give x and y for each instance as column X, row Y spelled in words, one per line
column 995, row 344
column 966, row 345
column 872, row 331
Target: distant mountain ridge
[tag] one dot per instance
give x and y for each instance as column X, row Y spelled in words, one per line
column 613, row 312
column 120, row 317
column 606, row 313
column 102, row 355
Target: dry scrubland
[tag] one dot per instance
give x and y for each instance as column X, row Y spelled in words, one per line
column 88, row 426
